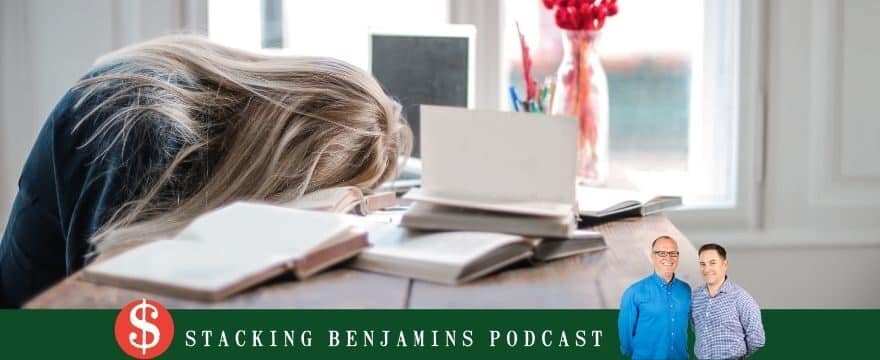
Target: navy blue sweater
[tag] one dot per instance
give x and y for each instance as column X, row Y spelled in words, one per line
column 66, row 191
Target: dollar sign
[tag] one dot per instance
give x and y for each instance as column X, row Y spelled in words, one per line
column 145, row 326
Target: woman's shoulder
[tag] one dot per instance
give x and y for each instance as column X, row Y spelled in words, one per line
column 104, row 125
column 79, row 99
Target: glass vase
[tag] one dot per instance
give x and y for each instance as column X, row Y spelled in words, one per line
column 582, row 92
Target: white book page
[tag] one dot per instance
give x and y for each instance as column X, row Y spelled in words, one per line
column 186, row 264
column 593, row 200
column 332, row 199
column 491, row 155
column 246, row 227
column 456, row 248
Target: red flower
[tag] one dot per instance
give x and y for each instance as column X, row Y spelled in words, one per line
column 612, row 9
column 581, row 14
column 562, row 18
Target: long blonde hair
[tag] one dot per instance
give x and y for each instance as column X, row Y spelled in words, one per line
column 274, row 129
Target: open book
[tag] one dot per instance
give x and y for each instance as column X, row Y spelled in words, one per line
column 459, row 256
column 233, row 248
column 601, row 202
column 344, row 199
column 506, row 172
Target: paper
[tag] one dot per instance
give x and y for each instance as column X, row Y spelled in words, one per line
column 498, row 156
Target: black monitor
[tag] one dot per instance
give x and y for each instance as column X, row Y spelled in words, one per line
column 425, row 66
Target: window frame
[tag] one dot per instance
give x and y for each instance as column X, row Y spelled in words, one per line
column 742, row 212
column 746, row 212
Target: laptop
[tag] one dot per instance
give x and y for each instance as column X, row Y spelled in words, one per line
column 423, row 66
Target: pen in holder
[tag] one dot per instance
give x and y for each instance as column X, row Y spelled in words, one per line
column 537, row 101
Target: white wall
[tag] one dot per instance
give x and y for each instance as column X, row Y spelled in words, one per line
column 39, row 64
column 48, row 44
column 808, row 277
column 816, row 241
column 815, row 238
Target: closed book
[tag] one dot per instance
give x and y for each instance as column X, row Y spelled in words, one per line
column 510, row 206
column 582, row 241
column 427, row 216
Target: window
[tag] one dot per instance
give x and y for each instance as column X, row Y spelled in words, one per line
column 673, row 69
column 319, row 28
column 670, row 89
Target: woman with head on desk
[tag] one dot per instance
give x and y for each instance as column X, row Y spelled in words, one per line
column 160, row 132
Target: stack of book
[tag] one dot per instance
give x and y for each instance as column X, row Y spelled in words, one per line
column 497, row 188
column 496, row 171
column 521, row 181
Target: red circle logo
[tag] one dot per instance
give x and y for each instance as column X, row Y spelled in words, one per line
column 144, row 329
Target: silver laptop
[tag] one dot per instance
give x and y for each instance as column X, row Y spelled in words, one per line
column 426, row 65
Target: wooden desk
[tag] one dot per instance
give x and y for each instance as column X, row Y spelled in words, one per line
column 594, row 280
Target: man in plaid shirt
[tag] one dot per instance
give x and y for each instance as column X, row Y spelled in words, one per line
column 726, row 319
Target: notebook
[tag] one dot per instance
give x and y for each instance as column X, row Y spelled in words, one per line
column 456, row 257
column 602, row 202
column 233, row 248
column 503, row 168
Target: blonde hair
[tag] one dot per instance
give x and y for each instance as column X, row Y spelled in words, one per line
column 264, row 128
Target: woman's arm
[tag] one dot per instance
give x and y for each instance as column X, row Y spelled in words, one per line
column 32, row 251
column 70, row 186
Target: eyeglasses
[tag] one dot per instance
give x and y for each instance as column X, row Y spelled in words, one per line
column 666, row 253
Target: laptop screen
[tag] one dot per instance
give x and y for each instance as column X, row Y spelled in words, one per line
column 425, row 68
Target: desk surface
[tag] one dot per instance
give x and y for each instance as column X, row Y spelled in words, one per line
column 595, row 280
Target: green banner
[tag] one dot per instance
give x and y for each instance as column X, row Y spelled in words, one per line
column 389, row 334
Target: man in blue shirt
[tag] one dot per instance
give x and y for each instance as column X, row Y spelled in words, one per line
column 652, row 323
column 727, row 320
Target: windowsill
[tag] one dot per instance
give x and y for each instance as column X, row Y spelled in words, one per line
column 696, row 193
